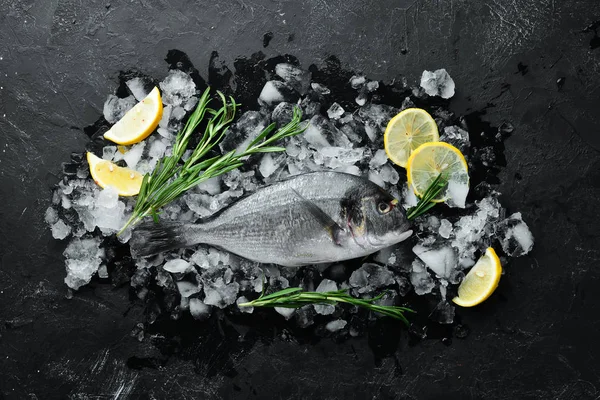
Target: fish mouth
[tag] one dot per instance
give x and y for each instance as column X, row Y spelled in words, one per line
column 383, row 242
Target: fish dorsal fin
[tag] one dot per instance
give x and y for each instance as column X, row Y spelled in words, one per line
column 325, row 220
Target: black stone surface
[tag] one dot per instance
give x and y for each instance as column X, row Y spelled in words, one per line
column 534, row 63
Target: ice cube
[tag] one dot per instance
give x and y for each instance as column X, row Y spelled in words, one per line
column 186, row 289
column 108, row 197
column 241, row 300
column 219, row 294
column 247, row 128
column 379, row 159
column 515, row 236
column 294, row 76
column 274, row 92
column 102, row 272
column 357, row 81
column 283, row 113
column 158, row 148
column 457, row 192
column 372, row 86
column 315, row 134
column 444, row 312
column 376, row 118
column 177, row 88
column 115, row 108
column 326, row 285
column 438, row 83
column 441, row 259
column 389, row 174
column 371, row 277
column 376, row 178
column 82, row 259
column 336, row 325
column 320, row 89
column 285, row 311
column 178, row 113
column 457, row 137
column 420, row 278
column 211, row 186
column 60, row 230
column 139, row 87
column 108, row 152
column 51, row 216
column 335, row 111
column 268, row 165
column 361, row 99
column 445, row 229
column 166, row 116
column 199, row 310
column 177, row 266
column 134, row 155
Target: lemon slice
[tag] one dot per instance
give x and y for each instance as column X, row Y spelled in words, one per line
column 407, row 131
column 431, row 159
column 481, row 281
column 126, row 181
column 139, row 122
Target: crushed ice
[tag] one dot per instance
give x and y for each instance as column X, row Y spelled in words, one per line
column 206, row 278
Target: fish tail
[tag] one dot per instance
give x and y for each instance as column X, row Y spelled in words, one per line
column 151, row 238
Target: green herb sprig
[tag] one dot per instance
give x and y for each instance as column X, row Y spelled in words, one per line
column 171, row 177
column 296, row 298
column 425, row 202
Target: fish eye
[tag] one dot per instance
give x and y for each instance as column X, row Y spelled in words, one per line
column 384, row 207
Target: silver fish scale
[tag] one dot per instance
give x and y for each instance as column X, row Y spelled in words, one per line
column 271, row 225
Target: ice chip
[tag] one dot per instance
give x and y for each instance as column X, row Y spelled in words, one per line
column 320, row 89
column 82, row 258
column 134, row 155
column 51, row 216
column 285, row 311
column 457, row 192
column 515, row 236
column 177, row 266
column 158, row 148
column 60, row 230
column 108, row 197
column 389, row 174
column 445, row 229
column 376, row 178
column 420, row 278
column 241, row 300
column 294, row 76
column 372, row 86
column 199, row 310
column 437, row 83
column 274, row 92
column 335, row 111
column 283, row 113
column 219, row 294
column 314, row 133
column 326, row 285
column 211, row 186
column 108, row 152
column 139, row 87
column 357, row 81
column 177, row 88
column 247, row 128
column 186, row 289
column 379, row 159
column 115, row 108
column 457, row 137
column 336, row 325
column 268, row 165
column 441, row 259
column 444, row 312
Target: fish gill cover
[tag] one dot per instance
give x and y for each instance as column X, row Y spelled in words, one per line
column 346, row 115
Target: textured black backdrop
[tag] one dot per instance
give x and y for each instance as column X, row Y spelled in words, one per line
column 529, row 62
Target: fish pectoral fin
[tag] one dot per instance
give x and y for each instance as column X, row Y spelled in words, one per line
column 332, row 227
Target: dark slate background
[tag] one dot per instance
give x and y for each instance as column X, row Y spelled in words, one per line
column 535, row 63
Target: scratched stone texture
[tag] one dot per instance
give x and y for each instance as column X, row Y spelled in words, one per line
column 535, row 339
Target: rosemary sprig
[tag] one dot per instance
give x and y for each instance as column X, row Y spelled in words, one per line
column 296, row 298
column 171, row 177
column 425, row 202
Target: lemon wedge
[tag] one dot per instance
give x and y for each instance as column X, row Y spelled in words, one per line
column 431, row 159
column 481, row 281
column 127, row 182
column 139, row 122
column 406, row 132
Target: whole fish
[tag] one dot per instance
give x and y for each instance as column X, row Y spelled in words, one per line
column 312, row 218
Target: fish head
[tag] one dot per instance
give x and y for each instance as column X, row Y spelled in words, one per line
column 375, row 218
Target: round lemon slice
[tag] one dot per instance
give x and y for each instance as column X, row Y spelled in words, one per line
column 126, row 181
column 139, row 122
column 432, row 159
column 406, row 132
column 481, row 281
